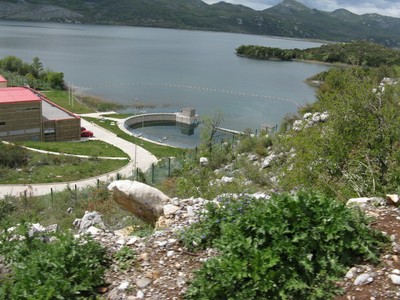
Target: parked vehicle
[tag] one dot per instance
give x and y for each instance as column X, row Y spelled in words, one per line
column 86, row 133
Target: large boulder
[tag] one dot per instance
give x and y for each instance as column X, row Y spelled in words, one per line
column 144, row 201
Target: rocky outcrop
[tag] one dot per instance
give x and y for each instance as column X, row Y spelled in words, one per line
column 144, row 201
column 89, row 220
column 162, row 268
column 310, row 119
column 366, row 281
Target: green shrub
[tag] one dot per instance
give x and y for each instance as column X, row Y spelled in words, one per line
column 125, row 257
column 7, row 206
column 66, row 268
column 13, row 156
column 287, row 247
column 356, row 151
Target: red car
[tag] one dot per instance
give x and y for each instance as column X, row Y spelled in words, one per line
column 86, row 133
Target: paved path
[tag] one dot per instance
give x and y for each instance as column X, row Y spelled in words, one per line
column 139, row 157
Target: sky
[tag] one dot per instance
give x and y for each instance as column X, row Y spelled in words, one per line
column 382, row 7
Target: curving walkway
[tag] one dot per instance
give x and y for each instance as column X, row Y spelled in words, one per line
column 139, row 158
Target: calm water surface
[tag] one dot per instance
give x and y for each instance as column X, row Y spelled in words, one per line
column 169, row 69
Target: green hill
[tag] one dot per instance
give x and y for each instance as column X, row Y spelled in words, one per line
column 287, row 19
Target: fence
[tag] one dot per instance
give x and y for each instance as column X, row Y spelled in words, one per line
column 164, row 168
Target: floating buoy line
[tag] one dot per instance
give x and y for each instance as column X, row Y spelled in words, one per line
column 183, row 86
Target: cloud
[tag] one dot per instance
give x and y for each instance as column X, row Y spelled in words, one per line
column 382, row 7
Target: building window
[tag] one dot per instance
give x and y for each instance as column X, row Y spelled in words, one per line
column 2, row 123
column 50, row 131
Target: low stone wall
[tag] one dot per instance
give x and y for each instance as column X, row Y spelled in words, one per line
column 139, row 119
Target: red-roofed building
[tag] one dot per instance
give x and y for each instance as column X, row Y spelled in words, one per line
column 28, row 115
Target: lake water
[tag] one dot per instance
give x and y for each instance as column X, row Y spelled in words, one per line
column 169, row 69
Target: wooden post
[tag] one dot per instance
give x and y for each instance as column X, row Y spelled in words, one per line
column 169, row 166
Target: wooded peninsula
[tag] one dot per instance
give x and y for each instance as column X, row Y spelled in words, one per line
column 360, row 53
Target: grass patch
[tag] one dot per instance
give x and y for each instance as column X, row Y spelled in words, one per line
column 157, row 150
column 82, row 104
column 118, row 116
column 61, row 98
column 90, row 148
column 99, row 103
column 45, row 168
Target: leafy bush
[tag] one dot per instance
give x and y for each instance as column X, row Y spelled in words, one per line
column 13, row 156
column 124, row 257
column 356, row 151
column 287, row 247
column 7, row 206
column 66, row 268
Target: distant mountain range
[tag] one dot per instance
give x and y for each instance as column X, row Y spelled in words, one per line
column 287, row 19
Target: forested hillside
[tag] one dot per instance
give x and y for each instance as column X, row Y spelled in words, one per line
column 288, row 19
column 360, row 53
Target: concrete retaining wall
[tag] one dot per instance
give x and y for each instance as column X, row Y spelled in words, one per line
column 139, row 119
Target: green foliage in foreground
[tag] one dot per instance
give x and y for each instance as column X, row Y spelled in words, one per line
column 66, row 268
column 125, row 257
column 359, row 53
column 287, row 247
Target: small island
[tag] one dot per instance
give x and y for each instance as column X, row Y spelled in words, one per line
column 360, row 53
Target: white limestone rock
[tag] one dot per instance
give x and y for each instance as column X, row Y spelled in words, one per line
column 143, row 282
column 324, row 116
column 226, row 179
column 268, row 161
column 351, row 273
column 170, row 209
column 307, row 116
column 392, row 199
column 89, row 219
column 365, row 200
column 395, row 279
column 93, row 230
column 297, row 125
column 203, row 161
column 144, row 201
column 363, row 279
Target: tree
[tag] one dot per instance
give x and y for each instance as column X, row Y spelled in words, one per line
column 55, row 79
column 208, row 133
column 14, row 64
column 36, row 67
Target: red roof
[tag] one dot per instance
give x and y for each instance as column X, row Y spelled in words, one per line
column 17, row 94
